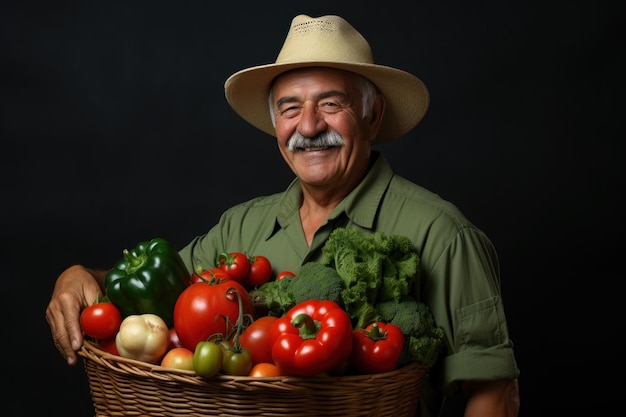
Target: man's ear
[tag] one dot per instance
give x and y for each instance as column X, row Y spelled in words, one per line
column 378, row 111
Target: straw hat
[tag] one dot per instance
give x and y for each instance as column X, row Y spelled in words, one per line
column 329, row 41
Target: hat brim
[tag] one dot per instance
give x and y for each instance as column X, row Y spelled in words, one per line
column 406, row 96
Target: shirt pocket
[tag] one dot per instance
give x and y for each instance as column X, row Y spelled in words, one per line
column 481, row 324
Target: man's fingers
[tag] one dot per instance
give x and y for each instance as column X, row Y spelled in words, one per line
column 65, row 328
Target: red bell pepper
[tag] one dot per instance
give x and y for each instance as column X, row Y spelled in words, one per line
column 312, row 337
column 377, row 348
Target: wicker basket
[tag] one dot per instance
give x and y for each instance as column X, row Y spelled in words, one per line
column 126, row 387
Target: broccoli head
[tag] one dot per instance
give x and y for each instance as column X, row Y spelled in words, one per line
column 415, row 319
column 274, row 296
column 423, row 349
column 412, row 316
column 316, row 281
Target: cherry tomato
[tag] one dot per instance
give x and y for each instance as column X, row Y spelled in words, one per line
column 209, row 275
column 237, row 361
column 265, row 370
column 260, row 271
column 208, row 357
column 284, row 274
column 235, row 264
column 178, row 358
column 256, row 338
column 101, row 320
column 204, row 309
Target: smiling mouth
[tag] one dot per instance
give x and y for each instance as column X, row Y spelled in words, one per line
column 314, row 148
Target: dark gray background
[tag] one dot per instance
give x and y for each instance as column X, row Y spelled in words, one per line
column 115, row 129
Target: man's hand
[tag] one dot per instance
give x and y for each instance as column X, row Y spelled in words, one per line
column 75, row 289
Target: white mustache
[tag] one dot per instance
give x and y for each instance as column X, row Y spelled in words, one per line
column 323, row 140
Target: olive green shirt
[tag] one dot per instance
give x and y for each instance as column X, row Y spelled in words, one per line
column 459, row 276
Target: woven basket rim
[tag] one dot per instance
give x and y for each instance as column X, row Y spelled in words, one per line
column 122, row 386
column 122, row 365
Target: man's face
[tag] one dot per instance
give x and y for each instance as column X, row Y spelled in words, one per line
column 314, row 101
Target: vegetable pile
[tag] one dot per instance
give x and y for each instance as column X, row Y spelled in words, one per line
column 372, row 278
column 352, row 312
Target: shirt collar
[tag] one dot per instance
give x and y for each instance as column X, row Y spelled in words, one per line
column 360, row 206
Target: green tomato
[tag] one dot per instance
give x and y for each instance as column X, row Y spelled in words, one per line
column 237, row 361
column 207, row 359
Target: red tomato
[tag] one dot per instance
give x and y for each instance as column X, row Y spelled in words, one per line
column 260, row 271
column 178, row 358
column 265, row 370
column 235, row 264
column 205, row 309
column 209, row 275
column 100, row 320
column 174, row 340
column 256, row 338
column 109, row 346
column 284, row 274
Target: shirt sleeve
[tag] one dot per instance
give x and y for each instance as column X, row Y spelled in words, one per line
column 201, row 251
column 463, row 292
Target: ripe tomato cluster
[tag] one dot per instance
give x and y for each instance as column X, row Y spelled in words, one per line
column 250, row 270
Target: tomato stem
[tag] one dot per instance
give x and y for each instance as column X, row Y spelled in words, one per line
column 224, row 258
column 239, row 324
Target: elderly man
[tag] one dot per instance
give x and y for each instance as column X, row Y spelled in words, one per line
column 327, row 104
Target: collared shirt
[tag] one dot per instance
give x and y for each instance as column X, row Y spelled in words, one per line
column 459, row 270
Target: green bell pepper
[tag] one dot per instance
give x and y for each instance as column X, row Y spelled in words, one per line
column 148, row 279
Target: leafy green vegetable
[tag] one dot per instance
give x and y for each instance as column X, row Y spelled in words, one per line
column 375, row 267
column 356, row 304
column 388, row 264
